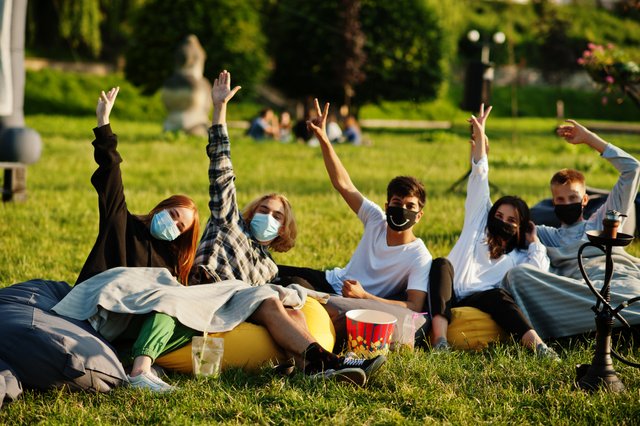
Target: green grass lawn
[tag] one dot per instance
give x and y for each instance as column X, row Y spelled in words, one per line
column 50, row 235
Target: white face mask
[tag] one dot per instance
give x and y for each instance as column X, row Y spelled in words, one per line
column 264, row 227
column 163, row 227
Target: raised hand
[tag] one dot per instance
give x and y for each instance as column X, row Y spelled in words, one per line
column 221, row 93
column 575, row 134
column 318, row 125
column 479, row 140
column 105, row 104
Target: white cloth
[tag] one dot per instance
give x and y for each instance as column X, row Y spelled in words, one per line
column 109, row 299
column 6, row 80
column 383, row 270
column 621, row 198
column 474, row 270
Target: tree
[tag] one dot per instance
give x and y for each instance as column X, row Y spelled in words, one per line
column 405, row 50
column 228, row 30
column 404, row 44
column 65, row 25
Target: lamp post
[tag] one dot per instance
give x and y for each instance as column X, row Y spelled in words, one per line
column 479, row 75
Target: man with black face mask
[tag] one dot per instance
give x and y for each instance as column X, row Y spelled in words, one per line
column 569, row 191
column 558, row 302
column 390, row 262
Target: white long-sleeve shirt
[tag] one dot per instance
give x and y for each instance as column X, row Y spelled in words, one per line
column 474, row 270
column 621, row 198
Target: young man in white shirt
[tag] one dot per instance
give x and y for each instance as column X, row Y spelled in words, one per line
column 390, row 264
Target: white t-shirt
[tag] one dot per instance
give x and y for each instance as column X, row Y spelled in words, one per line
column 473, row 268
column 381, row 269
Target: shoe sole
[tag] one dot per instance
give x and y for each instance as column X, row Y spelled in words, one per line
column 354, row 376
column 375, row 366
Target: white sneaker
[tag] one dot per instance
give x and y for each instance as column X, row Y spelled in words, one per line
column 545, row 352
column 151, row 382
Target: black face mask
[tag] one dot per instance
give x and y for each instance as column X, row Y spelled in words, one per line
column 400, row 219
column 568, row 213
column 500, row 229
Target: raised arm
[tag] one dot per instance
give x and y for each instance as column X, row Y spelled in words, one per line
column 107, row 179
column 578, row 134
column 337, row 173
column 623, row 194
column 222, row 190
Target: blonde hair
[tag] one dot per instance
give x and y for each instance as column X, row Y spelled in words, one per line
column 286, row 238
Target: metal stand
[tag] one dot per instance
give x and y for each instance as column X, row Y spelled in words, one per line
column 600, row 373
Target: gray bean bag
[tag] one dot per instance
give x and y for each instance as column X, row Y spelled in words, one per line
column 411, row 327
column 46, row 350
column 10, row 388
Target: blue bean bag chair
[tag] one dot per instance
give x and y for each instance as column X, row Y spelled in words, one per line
column 43, row 350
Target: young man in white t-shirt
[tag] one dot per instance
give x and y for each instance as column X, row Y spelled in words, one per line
column 390, row 264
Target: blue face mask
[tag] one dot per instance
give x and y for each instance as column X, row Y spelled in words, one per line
column 163, row 227
column 264, row 227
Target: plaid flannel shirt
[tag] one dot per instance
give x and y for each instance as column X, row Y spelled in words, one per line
column 227, row 250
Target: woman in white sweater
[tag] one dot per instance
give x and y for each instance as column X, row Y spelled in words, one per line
column 494, row 239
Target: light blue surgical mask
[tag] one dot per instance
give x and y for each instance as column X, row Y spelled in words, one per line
column 163, row 227
column 264, row 227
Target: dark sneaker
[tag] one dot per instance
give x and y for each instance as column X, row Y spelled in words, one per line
column 370, row 366
column 354, row 376
column 285, row 369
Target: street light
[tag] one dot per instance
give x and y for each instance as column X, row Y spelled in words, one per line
column 479, row 75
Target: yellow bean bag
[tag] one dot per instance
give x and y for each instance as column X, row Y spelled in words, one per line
column 471, row 328
column 249, row 345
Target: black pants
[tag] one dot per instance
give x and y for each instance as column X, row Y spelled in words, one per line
column 307, row 277
column 496, row 302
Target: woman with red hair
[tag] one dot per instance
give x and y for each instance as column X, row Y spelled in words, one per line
column 166, row 237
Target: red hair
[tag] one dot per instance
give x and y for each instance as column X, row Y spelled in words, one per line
column 186, row 244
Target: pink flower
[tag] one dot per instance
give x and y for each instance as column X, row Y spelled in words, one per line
column 586, row 54
column 581, row 61
column 609, row 79
column 604, row 100
column 591, row 46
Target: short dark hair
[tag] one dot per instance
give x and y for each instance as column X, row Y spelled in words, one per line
column 407, row 186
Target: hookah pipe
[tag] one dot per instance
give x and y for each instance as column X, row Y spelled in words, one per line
column 600, row 372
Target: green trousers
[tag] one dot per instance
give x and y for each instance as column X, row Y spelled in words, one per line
column 155, row 334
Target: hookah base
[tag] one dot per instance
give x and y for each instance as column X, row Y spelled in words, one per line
column 593, row 378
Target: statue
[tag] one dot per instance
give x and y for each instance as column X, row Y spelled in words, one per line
column 187, row 93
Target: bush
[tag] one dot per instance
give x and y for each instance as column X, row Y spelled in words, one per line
column 229, row 32
column 67, row 93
